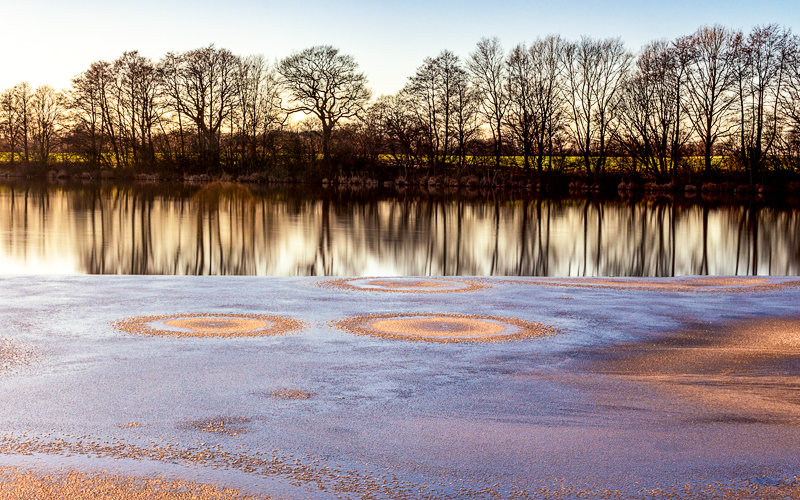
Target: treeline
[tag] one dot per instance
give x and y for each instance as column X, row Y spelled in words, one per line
column 718, row 100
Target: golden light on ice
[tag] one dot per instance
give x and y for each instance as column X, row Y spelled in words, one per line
column 701, row 284
column 218, row 325
column 443, row 328
column 17, row 484
column 404, row 285
column 209, row 325
column 231, row 426
column 438, row 327
column 286, row 393
column 14, row 354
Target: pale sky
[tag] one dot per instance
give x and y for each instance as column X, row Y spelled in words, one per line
column 51, row 41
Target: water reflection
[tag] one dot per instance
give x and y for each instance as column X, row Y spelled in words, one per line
column 230, row 229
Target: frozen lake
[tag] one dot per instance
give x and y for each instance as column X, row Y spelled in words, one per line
column 406, row 388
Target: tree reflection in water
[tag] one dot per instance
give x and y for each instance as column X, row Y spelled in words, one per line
column 229, row 229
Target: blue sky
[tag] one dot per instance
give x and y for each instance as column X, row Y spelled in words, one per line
column 48, row 41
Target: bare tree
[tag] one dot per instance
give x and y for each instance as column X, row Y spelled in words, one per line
column 171, row 92
column 258, row 108
column 20, row 100
column 649, row 110
column 535, row 97
column 547, row 94
column 200, row 85
column 47, row 112
column 453, row 93
column 367, row 134
column 790, row 101
column 709, row 83
column 321, row 81
column 466, row 109
column 98, row 111
column 761, row 63
column 86, row 100
column 10, row 125
column 438, row 89
column 117, row 105
column 683, row 53
column 581, row 63
column 595, row 71
column 520, row 114
column 489, row 73
column 403, row 134
column 102, row 77
column 422, row 94
column 136, row 89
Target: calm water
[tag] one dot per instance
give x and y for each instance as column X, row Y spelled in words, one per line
column 227, row 229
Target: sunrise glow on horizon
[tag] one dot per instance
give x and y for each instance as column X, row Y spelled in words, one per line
column 55, row 41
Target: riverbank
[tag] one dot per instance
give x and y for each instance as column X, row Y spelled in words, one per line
column 729, row 185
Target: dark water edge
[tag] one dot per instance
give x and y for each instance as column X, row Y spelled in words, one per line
column 65, row 227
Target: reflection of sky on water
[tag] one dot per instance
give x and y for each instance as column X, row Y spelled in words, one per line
column 229, row 230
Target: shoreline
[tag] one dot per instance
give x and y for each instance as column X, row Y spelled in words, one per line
column 726, row 186
column 725, row 193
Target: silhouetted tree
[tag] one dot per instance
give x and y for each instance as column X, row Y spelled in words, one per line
column 520, row 115
column 595, row 71
column 47, row 112
column 201, row 86
column 20, row 99
column 536, row 102
column 760, row 64
column 136, row 87
column 171, row 92
column 10, row 119
column 683, row 53
column 403, row 134
column 258, row 109
column 649, row 110
column 548, row 94
column 709, row 83
column 790, row 107
column 86, row 103
column 466, row 110
column 321, row 81
column 489, row 73
column 438, row 91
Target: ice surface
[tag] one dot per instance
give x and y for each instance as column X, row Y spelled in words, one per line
column 642, row 387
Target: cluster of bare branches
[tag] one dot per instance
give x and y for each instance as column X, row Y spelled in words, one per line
column 31, row 120
column 201, row 107
column 715, row 98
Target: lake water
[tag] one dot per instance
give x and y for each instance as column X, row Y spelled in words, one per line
column 227, row 229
